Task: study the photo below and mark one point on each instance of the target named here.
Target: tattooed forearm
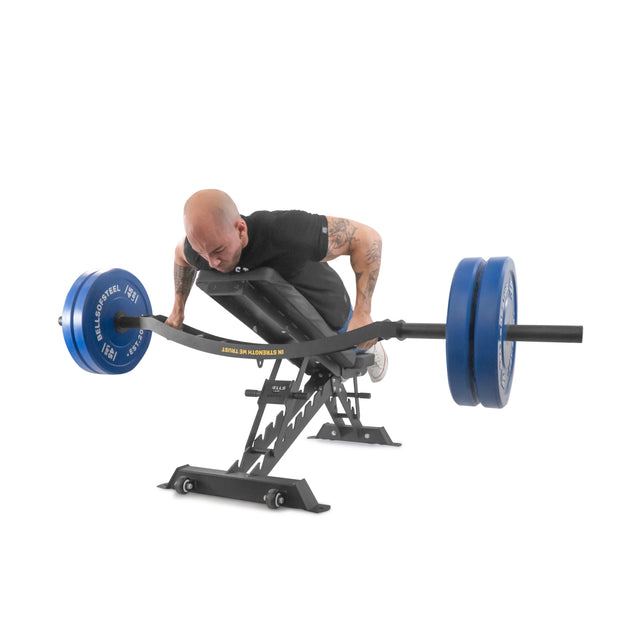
(370, 268)
(183, 278)
(342, 234)
(370, 285)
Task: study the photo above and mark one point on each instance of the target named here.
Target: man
(296, 244)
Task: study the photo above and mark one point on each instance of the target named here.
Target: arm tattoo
(371, 283)
(373, 259)
(183, 278)
(374, 254)
(341, 234)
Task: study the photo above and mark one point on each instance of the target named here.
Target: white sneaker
(378, 369)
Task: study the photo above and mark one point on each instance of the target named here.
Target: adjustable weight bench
(280, 314)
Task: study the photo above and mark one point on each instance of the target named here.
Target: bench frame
(279, 313)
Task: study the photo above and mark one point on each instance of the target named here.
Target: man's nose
(214, 262)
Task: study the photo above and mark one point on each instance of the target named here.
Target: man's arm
(183, 276)
(364, 246)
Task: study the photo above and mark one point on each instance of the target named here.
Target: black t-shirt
(292, 243)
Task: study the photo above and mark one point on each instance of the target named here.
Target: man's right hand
(176, 319)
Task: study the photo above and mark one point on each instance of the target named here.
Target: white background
(456, 129)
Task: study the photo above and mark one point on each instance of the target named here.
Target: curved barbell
(107, 325)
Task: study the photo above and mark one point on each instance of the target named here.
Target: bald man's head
(215, 228)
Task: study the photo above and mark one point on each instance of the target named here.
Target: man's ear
(241, 228)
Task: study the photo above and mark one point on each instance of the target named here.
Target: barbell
(107, 324)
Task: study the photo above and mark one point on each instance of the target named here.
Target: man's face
(221, 248)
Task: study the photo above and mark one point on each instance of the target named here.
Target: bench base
(275, 492)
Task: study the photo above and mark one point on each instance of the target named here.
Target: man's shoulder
(274, 214)
(277, 219)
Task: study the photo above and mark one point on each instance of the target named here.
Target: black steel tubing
(123, 322)
(543, 333)
(515, 332)
(421, 330)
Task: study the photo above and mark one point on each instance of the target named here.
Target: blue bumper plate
(88, 321)
(494, 356)
(67, 322)
(461, 314)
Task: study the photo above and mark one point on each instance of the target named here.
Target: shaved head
(215, 229)
(210, 205)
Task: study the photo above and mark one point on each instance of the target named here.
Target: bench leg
(355, 431)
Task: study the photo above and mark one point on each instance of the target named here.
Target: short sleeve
(304, 233)
(194, 259)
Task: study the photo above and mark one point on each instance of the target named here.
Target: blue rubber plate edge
(67, 322)
(489, 333)
(459, 332)
(77, 321)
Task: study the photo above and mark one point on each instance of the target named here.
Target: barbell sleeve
(543, 333)
(515, 332)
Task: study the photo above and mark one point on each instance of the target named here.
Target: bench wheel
(274, 499)
(183, 484)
